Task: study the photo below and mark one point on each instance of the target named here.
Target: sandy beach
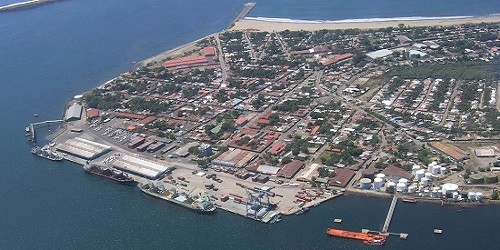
(277, 25)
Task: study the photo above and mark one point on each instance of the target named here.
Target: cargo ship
(367, 238)
(47, 153)
(409, 200)
(200, 203)
(109, 173)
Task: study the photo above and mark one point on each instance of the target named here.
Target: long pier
(390, 213)
(246, 9)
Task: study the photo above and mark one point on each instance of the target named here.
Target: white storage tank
(401, 187)
(426, 193)
(443, 170)
(390, 184)
(432, 164)
(381, 176)
(436, 169)
(419, 174)
(429, 176)
(435, 193)
(448, 188)
(424, 181)
(377, 183)
(471, 196)
(404, 181)
(412, 189)
(455, 195)
(479, 196)
(414, 169)
(365, 183)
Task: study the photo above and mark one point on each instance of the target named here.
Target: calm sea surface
(49, 54)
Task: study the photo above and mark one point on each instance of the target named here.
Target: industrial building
(141, 167)
(83, 148)
(235, 158)
(290, 169)
(73, 113)
(379, 53)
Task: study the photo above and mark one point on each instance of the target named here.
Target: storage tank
(471, 196)
(435, 194)
(432, 164)
(429, 176)
(365, 183)
(426, 193)
(381, 176)
(436, 169)
(404, 181)
(419, 174)
(449, 188)
(401, 187)
(414, 169)
(443, 170)
(455, 195)
(476, 178)
(490, 178)
(377, 183)
(390, 185)
(424, 181)
(412, 189)
(479, 196)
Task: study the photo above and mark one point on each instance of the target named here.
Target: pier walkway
(246, 9)
(33, 125)
(390, 213)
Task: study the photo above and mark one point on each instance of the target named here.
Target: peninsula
(263, 123)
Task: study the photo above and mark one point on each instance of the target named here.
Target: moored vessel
(409, 200)
(199, 203)
(109, 173)
(367, 238)
(302, 210)
(46, 152)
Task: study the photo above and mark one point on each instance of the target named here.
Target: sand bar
(270, 24)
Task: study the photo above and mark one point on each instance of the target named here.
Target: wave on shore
(361, 20)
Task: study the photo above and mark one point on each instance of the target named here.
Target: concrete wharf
(390, 213)
(246, 9)
(34, 125)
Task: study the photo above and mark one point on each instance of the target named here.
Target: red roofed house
(342, 178)
(241, 121)
(277, 148)
(336, 59)
(315, 130)
(92, 113)
(147, 120)
(290, 169)
(186, 62)
(209, 51)
(130, 116)
(395, 173)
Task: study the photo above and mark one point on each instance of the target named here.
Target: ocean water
(51, 53)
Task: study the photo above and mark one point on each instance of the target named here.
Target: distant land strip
(25, 5)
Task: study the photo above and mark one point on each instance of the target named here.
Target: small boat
(375, 242)
(302, 210)
(337, 221)
(35, 115)
(409, 200)
(438, 231)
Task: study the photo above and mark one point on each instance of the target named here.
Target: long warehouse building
(83, 148)
(141, 167)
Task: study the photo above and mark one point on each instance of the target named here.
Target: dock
(389, 214)
(246, 9)
(31, 128)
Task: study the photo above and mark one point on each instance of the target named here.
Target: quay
(31, 128)
(246, 9)
(24, 5)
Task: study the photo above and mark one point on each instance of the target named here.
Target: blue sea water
(50, 53)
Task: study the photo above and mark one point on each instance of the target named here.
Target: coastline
(277, 24)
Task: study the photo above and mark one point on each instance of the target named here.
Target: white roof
(266, 169)
(379, 53)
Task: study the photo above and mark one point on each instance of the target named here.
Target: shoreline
(281, 24)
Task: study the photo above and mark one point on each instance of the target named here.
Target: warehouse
(83, 148)
(74, 113)
(141, 167)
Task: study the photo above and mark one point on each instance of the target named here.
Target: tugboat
(109, 173)
(47, 153)
(201, 204)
